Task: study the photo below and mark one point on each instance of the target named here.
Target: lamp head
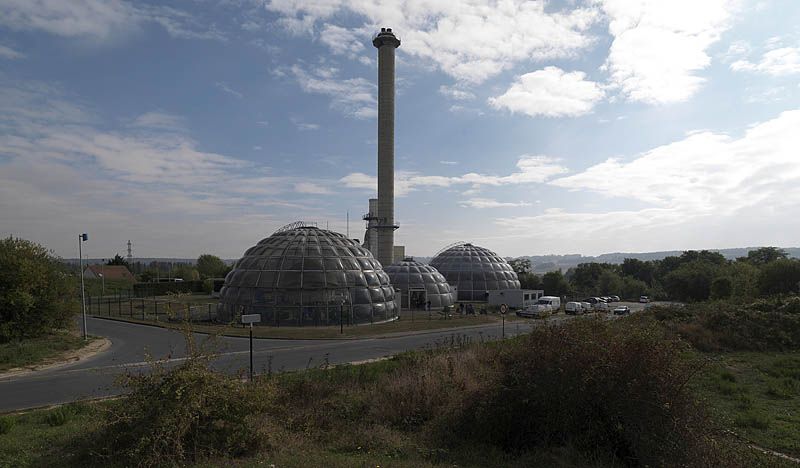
(84, 237)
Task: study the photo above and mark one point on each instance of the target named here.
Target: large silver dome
(474, 271)
(418, 283)
(302, 275)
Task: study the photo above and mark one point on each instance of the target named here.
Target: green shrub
(601, 387)
(764, 325)
(36, 293)
(6, 423)
(57, 417)
(752, 419)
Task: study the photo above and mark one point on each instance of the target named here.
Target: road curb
(88, 351)
(376, 337)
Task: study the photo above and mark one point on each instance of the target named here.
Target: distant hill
(541, 263)
(545, 263)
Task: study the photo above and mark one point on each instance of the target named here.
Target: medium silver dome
(417, 282)
(474, 271)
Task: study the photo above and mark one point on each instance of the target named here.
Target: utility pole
(81, 239)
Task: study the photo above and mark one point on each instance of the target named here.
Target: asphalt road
(131, 344)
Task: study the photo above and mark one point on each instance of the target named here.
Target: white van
(553, 301)
(573, 308)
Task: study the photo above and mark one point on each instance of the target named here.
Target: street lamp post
(81, 239)
(103, 278)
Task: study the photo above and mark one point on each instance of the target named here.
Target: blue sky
(526, 127)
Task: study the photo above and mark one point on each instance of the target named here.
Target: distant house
(109, 272)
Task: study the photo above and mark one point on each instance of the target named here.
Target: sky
(527, 127)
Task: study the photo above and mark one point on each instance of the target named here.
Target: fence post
(209, 311)
(119, 305)
(156, 305)
(142, 307)
(108, 303)
(130, 305)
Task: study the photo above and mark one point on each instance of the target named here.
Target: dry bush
(176, 415)
(432, 385)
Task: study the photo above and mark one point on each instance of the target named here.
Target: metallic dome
(304, 276)
(474, 271)
(418, 283)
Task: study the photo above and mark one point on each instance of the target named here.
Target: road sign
(503, 309)
(251, 318)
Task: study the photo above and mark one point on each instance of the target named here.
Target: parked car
(586, 306)
(534, 311)
(600, 306)
(622, 310)
(592, 300)
(644, 299)
(615, 298)
(573, 308)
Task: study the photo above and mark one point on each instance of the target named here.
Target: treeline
(690, 277)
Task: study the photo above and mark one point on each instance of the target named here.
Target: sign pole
(251, 319)
(503, 310)
(251, 352)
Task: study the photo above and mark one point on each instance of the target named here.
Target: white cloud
(354, 97)
(449, 163)
(708, 190)
(550, 92)
(311, 188)
(160, 120)
(302, 125)
(343, 41)
(532, 169)
(226, 88)
(481, 203)
(454, 92)
(471, 41)
(776, 62)
(62, 173)
(99, 20)
(706, 173)
(9, 53)
(660, 46)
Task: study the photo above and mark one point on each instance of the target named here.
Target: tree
(635, 268)
(721, 287)
(186, 272)
(585, 277)
(211, 266)
(521, 265)
(554, 284)
(632, 288)
(118, 260)
(690, 281)
(764, 255)
(36, 293)
(780, 277)
(530, 281)
(609, 283)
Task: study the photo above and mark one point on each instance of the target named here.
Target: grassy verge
(404, 325)
(46, 437)
(37, 350)
(757, 395)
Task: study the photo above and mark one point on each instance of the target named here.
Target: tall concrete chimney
(386, 42)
